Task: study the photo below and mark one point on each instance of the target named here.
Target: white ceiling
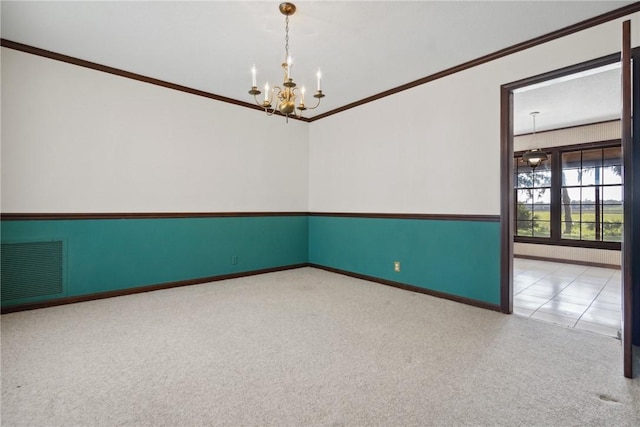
(362, 47)
(580, 98)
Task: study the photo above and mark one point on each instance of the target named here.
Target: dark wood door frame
(631, 167)
(506, 189)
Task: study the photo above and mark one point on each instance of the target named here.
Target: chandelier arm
(315, 106)
(278, 94)
(262, 104)
(273, 89)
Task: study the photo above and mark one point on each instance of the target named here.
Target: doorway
(568, 212)
(632, 187)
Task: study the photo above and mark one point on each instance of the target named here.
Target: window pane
(524, 180)
(592, 158)
(572, 160)
(588, 195)
(570, 195)
(524, 228)
(588, 213)
(612, 195)
(612, 232)
(612, 175)
(612, 213)
(541, 228)
(523, 212)
(541, 207)
(588, 176)
(613, 210)
(571, 177)
(588, 231)
(612, 217)
(542, 178)
(570, 230)
(542, 195)
(541, 220)
(524, 196)
(612, 156)
(570, 212)
(598, 175)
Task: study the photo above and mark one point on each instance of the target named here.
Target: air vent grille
(31, 269)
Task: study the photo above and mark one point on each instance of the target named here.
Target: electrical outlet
(396, 266)
(234, 259)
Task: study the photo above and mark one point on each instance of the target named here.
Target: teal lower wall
(460, 258)
(115, 254)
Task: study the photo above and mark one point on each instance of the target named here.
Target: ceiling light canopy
(286, 96)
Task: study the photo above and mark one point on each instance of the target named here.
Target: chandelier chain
(286, 39)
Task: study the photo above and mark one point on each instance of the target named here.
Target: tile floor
(570, 295)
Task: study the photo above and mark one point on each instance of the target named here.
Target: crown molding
(583, 25)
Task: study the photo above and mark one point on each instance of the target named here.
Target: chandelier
(286, 96)
(535, 156)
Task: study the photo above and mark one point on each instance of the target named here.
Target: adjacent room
(264, 213)
(568, 231)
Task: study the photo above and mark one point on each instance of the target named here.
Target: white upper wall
(435, 148)
(79, 140)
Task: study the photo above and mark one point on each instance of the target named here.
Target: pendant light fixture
(286, 96)
(534, 157)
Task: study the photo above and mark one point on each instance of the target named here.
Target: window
(533, 199)
(574, 198)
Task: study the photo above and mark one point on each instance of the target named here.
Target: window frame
(555, 238)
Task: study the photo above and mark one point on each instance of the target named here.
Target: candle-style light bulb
(319, 76)
(266, 91)
(253, 76)
(302, 90)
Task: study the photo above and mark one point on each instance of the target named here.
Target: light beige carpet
(304, 347)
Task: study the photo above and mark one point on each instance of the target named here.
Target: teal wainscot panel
(115, 254)
(456, 257)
